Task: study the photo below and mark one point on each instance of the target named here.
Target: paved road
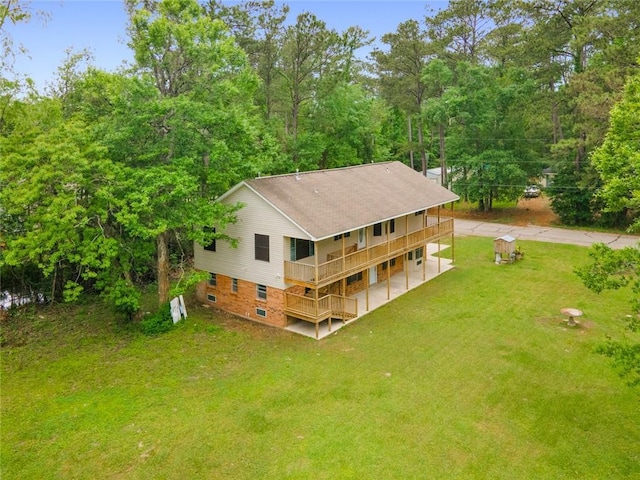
(544, 234)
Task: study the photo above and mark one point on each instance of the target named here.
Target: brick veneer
(245, 301)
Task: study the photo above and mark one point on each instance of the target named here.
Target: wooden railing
(354, 262)
(307, 308)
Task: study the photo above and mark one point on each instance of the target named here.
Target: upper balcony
(352, 260)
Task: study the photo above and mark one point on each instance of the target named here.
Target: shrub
(159, 322)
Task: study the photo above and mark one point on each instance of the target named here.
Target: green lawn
(473, 375)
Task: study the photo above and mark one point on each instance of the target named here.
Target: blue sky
(100, 26)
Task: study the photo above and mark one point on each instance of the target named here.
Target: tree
(258, 27)
(486, 141)
(441, 106)
(57, 199)
(618, 158)
(308, 51)
(612, 270)
(400, 71)
(460, 30)
(186, 131)
(341, 128)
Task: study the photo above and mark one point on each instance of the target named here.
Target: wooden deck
(378, 295)
(315, 311)
(339, 266)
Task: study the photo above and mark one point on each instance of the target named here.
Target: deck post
(367, 287)
(406, 269)
(344, 260)
(388, 281)
(453, 231)
(344, 300)
(316, 255)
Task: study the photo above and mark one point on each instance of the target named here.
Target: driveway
(544, 234)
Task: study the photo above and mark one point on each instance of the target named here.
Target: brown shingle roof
(329, 202)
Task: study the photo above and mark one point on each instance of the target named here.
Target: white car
(532, 191)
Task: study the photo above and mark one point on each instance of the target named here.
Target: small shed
(505, 248)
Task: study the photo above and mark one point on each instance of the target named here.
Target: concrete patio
(380, 295)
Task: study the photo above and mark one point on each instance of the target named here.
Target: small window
(261, 292)
(421, 212)
(211, 298)
(354, 278)
(377, 230)
(213, 279)
(392, 225)
(212, 246)
(262, 247)
(410, 255)
(392, 262)
(338, 237)
(234, 285)
(384, 266)
(261, 312)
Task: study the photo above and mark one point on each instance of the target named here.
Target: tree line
(106, 178)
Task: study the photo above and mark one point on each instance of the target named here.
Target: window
(385, 265)
(392, 225)
(301, 248)
(354, 278)
(262, 247)
(377, 230)
(261, 312)
(212, 246)
(261, 292)
(213, 279)
(234, 285)
(338, 237)
(211, 298)
(421, 212)
(410, 255)
(392, 262)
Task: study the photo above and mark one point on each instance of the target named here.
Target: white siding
(329, 245)
(257, 216)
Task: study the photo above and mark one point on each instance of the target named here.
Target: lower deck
(380, 293)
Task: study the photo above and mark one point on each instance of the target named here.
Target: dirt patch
(528, 211)
(583, 326)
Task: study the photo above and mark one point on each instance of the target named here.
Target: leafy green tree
(186, 131)
(341, 129)
(400, 72)
(258, 27)
(618, 158)
(57, 189)
(307, 54)
(459, 31)
(611, 270)
(441, 105)
(490, 153)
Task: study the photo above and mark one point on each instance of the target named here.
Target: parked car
(532, 191)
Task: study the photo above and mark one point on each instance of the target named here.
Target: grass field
(473, 375)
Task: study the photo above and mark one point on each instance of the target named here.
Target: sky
(100, 27)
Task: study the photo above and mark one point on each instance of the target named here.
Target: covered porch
(380, 293)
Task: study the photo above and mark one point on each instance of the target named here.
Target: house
(312, 246)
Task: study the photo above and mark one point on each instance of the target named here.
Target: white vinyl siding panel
(256, 216)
